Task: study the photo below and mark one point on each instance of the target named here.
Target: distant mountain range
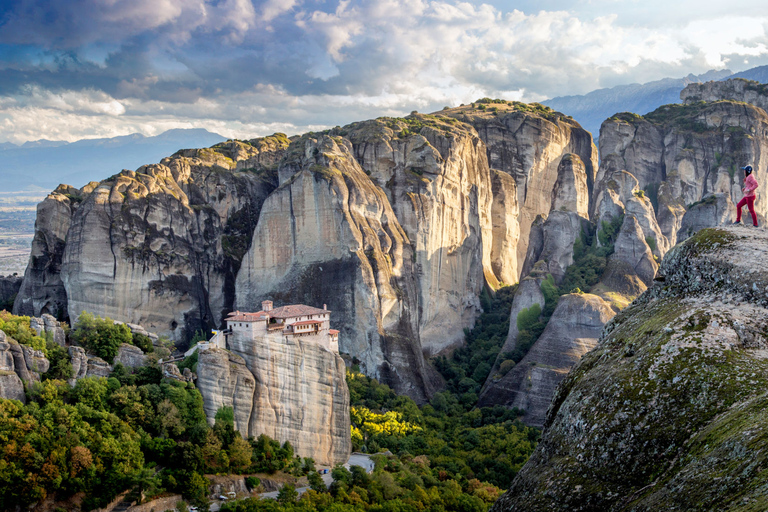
(591, 109)
(46, 163)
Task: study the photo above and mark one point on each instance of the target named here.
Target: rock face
(130, 356)
(681, 154)
(42, 291)
(19, 365)
(9, 288)
(294, 391)
(552, 242)
(48, 326)
(671, 395)
(736, 89)
(160, 246)
(529, 142)
(631, 268)
(714, 210)
(571, 332)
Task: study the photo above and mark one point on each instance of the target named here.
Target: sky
(73, 69)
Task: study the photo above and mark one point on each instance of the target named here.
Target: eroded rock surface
(672, 394)
(291, 390)
(571, 332)
(19, 365)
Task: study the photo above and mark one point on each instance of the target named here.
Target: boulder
(79, 361)
(130, 356)
(97, 367)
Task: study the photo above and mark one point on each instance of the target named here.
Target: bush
(506, 366)
(100, 335)
(527, 317)
(143, 342)
(252, 482)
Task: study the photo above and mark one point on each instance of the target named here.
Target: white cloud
(355, 60)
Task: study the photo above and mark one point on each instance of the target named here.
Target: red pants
(750, 202)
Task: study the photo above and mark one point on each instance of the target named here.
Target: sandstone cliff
(159, 246)
(681, 154)
(292, 391)
(667, 412)
(529, 142)
(571, 332)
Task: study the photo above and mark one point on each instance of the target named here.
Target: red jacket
(750, 185)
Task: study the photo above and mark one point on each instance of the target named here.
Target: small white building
(293, 321)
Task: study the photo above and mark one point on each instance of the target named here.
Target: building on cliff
(296, 320)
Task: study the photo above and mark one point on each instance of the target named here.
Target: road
(356, 459)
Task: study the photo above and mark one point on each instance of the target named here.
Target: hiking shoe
(736, 222)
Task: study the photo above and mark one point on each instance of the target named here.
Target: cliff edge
(668, 411)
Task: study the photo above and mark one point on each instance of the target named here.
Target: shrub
(506, 366)
(143, 342)
(99, 335)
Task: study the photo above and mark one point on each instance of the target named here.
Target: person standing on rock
(750, 185)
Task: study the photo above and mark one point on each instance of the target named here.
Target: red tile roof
(333, 331)
(295, 310)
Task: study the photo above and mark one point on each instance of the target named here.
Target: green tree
(287, 494)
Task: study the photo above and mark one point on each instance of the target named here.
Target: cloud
(300, 63)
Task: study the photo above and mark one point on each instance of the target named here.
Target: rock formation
(9, 288)
(294, 391)
(571, 332)
(735, 89)
(42, 291)
(48, 326)
(160, 246)
(681, 154)
(130, 356)
(529, 142)
(631, 268)
(19, 365)
(714, 210)
(666, 413)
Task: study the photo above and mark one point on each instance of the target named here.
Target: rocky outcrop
(528, 142)
(48, 327)
(714, 210)
(527, 294)
(552, 242)
(671, 395)
(571, 332)
(506, 228)
(736, 89)
(158, 247)
(289, 389)
(163, 244)
(632, 267)
(225, 381)
(130, 356)
(42, 291)
(11, 386)
(570, 193)
(681, 154)
(84, 365)
(619, 193)
(19, 365)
